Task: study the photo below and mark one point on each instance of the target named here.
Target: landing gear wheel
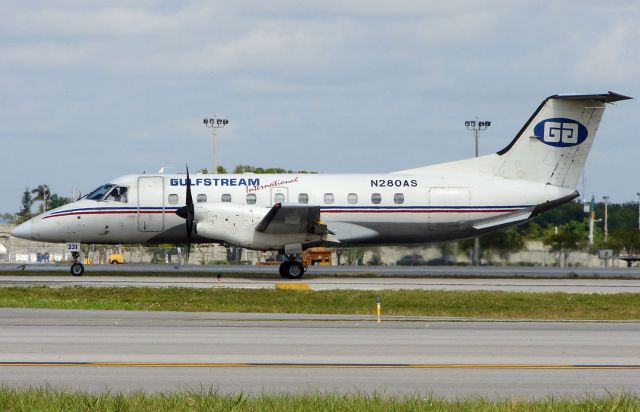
(77, 269)
(295, 270)
(284, 268)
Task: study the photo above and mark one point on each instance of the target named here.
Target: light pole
(592, 218)
(214, 124)
(476, 126)
(606, 217)
(638, 210)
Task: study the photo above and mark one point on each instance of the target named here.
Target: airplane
(537, 171)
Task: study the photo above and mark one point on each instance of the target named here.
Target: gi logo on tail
(560, 132)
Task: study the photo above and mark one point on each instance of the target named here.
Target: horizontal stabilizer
(508, 219)
(521, 216)
(610, 97)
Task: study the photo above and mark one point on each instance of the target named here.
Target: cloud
(615, 56)
(39, 55)
(100, 20)
(297, 42)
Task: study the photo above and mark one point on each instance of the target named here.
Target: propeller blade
(190, 213)
(187, 212)
(189, 198)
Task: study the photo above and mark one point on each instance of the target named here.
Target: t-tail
(551, 148)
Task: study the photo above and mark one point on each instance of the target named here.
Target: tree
(244, 169)
(42, 193)
(502, 242)
(221, 170)
(56, 201)
(538, 228)
(354, 255)
(569, 237)
(620, 216)
(262, 170)
(376, 259)
(8, 217)
(25, 207)
(626, 241)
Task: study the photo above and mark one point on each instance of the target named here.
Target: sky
(91, 90)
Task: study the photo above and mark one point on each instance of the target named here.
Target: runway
(386, 271)
(332, 283)
(255, 353)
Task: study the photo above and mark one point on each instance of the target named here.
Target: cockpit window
(99, 193)
(117, 194)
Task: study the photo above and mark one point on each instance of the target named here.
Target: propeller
(187, 212)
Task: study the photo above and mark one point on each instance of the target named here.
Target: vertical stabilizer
(553, 145)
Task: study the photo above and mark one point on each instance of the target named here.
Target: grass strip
(46, 399)
(477, 304)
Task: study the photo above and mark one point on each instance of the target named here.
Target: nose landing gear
(77, 269)
(292, 268)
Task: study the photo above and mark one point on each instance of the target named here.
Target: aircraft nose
(22, 231)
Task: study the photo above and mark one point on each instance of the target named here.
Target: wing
(285, 219)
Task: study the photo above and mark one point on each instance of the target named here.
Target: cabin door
(150, 204)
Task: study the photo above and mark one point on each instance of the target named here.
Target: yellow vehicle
(320, 256)
(116, 258)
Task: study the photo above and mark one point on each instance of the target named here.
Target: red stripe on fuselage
(110, 212)
(125, 212)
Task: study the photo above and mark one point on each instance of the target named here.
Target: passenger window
(328, 198)
(173, 199)
(226, 198)
(376, 198)
(352, 198)
(202, 198)
(278, 198)
(251, 199)
(118, 194)
(398, 198)
(303, 198)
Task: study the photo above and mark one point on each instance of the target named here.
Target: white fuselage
(357, 208)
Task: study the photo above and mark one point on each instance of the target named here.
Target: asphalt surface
(255, 353)
(575, 285)
(419, 271)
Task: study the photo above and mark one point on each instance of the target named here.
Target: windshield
(99, 193)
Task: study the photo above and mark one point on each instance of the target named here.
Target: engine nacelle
(235, 223)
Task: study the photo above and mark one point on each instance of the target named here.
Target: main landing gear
(292, 268)
(77, 269)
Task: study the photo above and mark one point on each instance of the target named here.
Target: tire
(77, 269)
(284, 269)
(295, 270)
(115, 262)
